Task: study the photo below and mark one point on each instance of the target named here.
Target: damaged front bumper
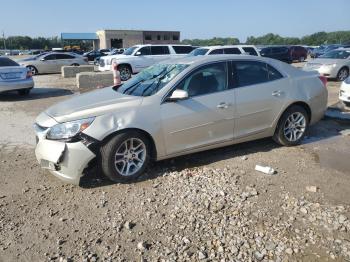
(65, 160)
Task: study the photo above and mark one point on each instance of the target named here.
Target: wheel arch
(37, 71)
(296, 103)
(145, 133)
(128, 65)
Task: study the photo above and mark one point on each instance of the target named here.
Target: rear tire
(342, 74)
(301, 59)
(292, 126)
(24, 92)
(125, 156)
(125, 72)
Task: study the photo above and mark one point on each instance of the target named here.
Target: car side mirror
(177, 95)
(138, 53)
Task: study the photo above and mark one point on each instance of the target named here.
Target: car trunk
(11, 73)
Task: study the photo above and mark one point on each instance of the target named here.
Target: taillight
(29, 74)
(324, 80)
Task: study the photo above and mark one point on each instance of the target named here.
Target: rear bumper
(16, 84)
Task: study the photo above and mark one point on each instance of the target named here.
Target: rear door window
(217, 52)
(250, 51)
(4, 61)
(159, 50)
(273, 73)
(232, 51)
(250, 73)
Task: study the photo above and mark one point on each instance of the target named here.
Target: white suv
(226, 49)
(139, 57)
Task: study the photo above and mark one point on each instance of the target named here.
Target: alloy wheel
(294, 127)
(125, 73)
(343, 74)
(130, 157)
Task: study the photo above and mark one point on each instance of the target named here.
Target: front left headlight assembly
(68, 130)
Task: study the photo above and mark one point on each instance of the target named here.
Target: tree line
(319, 38)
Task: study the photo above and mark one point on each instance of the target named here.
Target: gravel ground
(210, 206)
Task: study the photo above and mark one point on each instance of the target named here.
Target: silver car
(175, 108)
(333, 64)
(52, 62)
(14, 77)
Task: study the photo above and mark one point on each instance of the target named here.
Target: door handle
(222, 105)
(277, 93)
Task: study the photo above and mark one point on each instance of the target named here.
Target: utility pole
(3, 37)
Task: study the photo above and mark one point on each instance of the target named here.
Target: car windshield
(130, 50)
(336, 54)
(4, 61)
(199, 51)
(151, 80)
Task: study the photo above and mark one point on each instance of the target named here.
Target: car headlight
(108, 61)
(330, 65)
(69, 129)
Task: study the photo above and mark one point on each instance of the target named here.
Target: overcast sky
(195, 19)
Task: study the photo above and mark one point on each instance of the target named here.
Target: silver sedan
(176, 108)
(52, 62)
(14, 77)
(334, 64)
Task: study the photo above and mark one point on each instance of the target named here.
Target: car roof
(225, 46)
(160, 45)
(194, 60)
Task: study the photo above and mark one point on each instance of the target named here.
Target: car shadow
(94, 178)
(325, 129)
(36, 93)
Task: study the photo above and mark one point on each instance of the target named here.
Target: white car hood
(91, 104)
(115, 57)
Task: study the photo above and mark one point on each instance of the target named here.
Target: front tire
(125, 156)
(32, 69)
(125, 72)
(347, 104)
(342, 74)
(292, 126)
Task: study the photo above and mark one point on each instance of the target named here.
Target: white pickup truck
(139, 57)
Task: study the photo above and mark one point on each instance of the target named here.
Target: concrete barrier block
(94, 79)
(72, 71)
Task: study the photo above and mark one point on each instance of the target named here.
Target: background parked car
(228, 49)
(324, 49)
(139, 57)
(333, 64)
(14, 77)
(285, 53)
(52, 62)
(92, 55)
(344, 93)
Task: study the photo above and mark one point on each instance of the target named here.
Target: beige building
(127, 38)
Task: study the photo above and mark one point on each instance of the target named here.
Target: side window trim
(234, 76)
